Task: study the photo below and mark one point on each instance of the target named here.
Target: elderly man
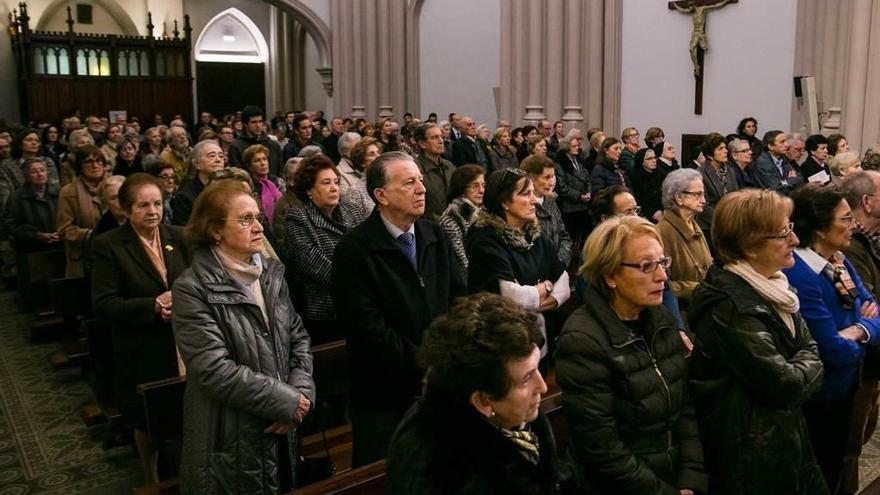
(468, 150)
(392, 275)
(739, 153)
(796, 147)
(178, 152)
(773, 169)
(862, 191)
(329, 144)
(207, 158)
(254, 133)
(5, 148)
(436, 171)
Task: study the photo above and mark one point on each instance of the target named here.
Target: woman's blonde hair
(743, 219)
(843, 161)
(603, 250)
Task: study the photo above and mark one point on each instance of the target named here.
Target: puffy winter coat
(242, 376)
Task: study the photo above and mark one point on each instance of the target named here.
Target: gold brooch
(169, 248)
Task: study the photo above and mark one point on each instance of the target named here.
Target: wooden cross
(698, 45)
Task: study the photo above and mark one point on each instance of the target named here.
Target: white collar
(394, 230)
(813, 259)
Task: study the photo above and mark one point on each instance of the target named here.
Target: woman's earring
(492, 413)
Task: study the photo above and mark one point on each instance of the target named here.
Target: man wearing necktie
(392, 275)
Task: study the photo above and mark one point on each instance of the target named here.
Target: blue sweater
(825, 316)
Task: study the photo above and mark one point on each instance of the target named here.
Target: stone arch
(314, 26)
(111, 6)
(413, 76)
(240, 23)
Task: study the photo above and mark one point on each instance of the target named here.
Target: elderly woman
(608, 171)
(152, 144)
(740, 155)
(621, 368)
(30, 219)
(164, 174)
(267, 188)
(843, 164)
(135, 267)
(647, 184)
(718, 178)
(108, 194)
(312, 230)
(363, 154)
(542, 171)
(837, 143)
(244, 179)
(754, 362)
(79, 208)
(507, 253)
(573, 187)
(503, 154)
(127, 159)
(246, 352)
(842, 316)
(666, 161)
(683, 240)
(478, 428)
(466, 189)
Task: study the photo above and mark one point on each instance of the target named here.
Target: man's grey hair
(794, 137)
(677, 182)
(858, 185)
(377, 172)
(199, 149)
(291, 166)
(346, 142)
(734, 144)
(310, 151)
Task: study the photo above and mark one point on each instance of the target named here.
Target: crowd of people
(721, 337)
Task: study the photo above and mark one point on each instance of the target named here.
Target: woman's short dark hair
(712, 141)
(812, 143)
(26, 164)
(15, 149)
(359, 151)
(132, 185)
(468, 349)
(461, 179)
(741, 127)
(307, 173)
(814, 209)
(535, 165)
(83, 153)
(209, 211)
(606, 144)
(501, 186)
(833, 142)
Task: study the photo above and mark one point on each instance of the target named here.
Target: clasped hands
(163, 305)
(301, 410)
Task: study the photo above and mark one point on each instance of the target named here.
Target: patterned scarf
(525, 440)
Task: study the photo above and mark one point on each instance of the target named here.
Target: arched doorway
(230, 52)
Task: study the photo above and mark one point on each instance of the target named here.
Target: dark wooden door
(226, 87)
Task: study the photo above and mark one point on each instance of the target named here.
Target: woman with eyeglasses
(647, 182)
(135, 266)
(842, 317)
(467, 188)
(79, 207)
(683, 240)
(248, 363)
(754, 362)
(164, 174)
(621, 368)
(507, 253)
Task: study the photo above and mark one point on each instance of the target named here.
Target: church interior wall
(459, 46)
(102, 21)
(748, 69)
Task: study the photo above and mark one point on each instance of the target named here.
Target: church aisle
(45, 447)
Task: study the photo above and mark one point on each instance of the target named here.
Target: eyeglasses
(847, 219)
(784, 234)
(246, 221)
(696, 194)
(633, 211)
(93, 161)
(166, 176)
(651, 266)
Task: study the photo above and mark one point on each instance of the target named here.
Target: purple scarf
(269, 195)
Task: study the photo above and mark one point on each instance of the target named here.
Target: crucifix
(698, 45)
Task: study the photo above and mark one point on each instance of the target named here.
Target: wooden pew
(41, 266)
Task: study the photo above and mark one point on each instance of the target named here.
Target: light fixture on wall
(228, 38)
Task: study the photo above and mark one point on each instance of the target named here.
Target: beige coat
(686, 245)
(75, 225)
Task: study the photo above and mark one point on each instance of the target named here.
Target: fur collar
(521, 239)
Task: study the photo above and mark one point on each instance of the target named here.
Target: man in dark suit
(330, 143)
(773, 169)
(468, 150)
(455, 122)
(391, 276)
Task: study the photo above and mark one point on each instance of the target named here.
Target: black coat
(647, 189)
(749, 377)
(236, 150)
(384, 305)
(183, 200)
(125, 285)
(27, 215)
(606, 174)
(811, 167)
(443, 447)
(464, 152)
(571, 183)
(626, 401)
